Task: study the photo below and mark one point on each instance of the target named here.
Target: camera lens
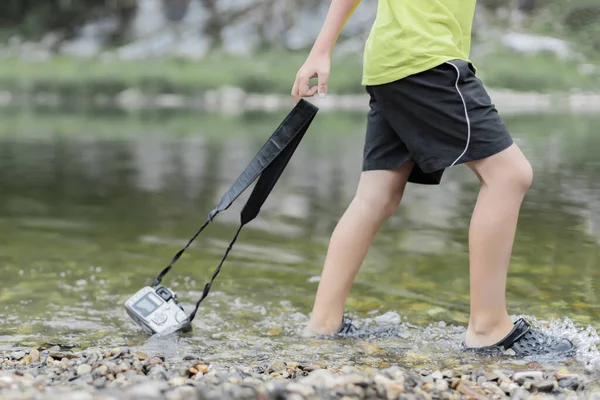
(164, 293)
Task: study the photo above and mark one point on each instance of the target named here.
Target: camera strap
(268, 165)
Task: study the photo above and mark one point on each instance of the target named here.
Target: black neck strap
(268, 164)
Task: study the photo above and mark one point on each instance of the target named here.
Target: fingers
(301, 87)
(322, 86)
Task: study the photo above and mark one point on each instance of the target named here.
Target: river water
(92, 207)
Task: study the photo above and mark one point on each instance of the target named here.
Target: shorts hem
(473, 154)
(384, 164)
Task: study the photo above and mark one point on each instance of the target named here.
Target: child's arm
(317, 64)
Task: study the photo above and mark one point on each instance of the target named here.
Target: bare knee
(383, 204)
(509, 170)
(518, 177)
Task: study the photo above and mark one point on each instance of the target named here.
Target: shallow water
(92, 207)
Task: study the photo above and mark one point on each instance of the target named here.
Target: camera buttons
(159, 318)
(180, 316)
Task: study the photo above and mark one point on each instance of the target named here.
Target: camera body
(157, 311)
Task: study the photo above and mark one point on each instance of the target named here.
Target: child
(428, 112)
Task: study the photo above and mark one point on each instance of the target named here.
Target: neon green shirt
(411, 36)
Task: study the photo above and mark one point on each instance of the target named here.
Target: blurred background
(122, 122)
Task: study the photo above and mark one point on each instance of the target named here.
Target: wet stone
(437, 375)
(544, 386)
(183, 393)
(99, 383)
(86, 379)
(34, 356)
(570, 383)
(84, 369)
(520, 377)
(17, 355)
(300, 389)
(100, 371)
(146, 391)
(159, 372)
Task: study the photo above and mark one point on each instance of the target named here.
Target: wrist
(320, 51)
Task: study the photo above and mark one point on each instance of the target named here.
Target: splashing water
(586, 339)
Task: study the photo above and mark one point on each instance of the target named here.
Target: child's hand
(314, 67)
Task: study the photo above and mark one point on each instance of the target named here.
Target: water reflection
(87, 219)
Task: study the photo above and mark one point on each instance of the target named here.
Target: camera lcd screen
(147, 304)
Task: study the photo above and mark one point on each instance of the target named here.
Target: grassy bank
(262, 73)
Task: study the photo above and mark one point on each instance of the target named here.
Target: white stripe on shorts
(466, 114)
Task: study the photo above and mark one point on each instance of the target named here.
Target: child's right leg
(377, 198)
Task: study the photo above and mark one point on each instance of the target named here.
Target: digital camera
(157, 311)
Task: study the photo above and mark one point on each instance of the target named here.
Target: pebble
(544, 386)
(437, 375)
(178, 381)
(520, 377)
(570, 383)
(84, 369)
(123, 374)
(34, 355)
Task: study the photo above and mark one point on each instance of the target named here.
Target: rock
(190, 357)
(34, 355)
(493, 388)
(520, 377)
(565, 374)
(442, 385)
(178, 381)
(115, 352)
(99, 383)
(471, 392)
(84, 369)
(513, 387)
(490, 376)
(183, 393)
(389, 387)
(320, 378)
(303, 390)
(544, 386)
(100, 371)
(146, 391)
(141, 355)
(455, 383)
(80, 395)
(500, 375)
(202, 368)
(154, 361)
(448, 373)
(569, 383)
(520, 394)
(17, 355)
(87, 378)
(437, 375)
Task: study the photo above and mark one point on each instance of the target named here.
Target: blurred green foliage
(34, 18)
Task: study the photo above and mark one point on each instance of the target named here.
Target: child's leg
(378, 195)
(505, 178)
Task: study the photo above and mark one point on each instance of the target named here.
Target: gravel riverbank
(123, 373)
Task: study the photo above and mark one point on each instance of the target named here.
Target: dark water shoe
(524, 341)
(347, 327)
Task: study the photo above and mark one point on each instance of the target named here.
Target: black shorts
(438, 118)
